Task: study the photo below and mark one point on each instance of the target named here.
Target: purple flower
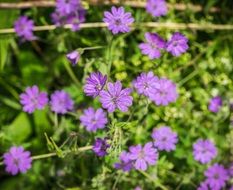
(61, 102)
(94, 84)
(76, 19)
(156, 7)
(118, 20)
(33, 99)
(145, 83)
(138, 188)
(165, 92)
(154, 44)
(215, 104)
(93, 120)
(125, 163)
(65, 7)
(73, 57)
(177, 44)
(115, 97)
(204, 186)
(17, 160)
(217, 176)
(24, 28)
(100, 147)
(204, 151)
(143, 156)
(165, 138)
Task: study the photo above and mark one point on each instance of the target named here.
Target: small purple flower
(204, 151)
(76, 19)
(143, 156)
(33, 99)
(65, 7)
(61, 102)
(24, 28)
(17, 160)
(94, 84)
(215, 104)
(73, 57)
(138, 188)
(165, 92)
(217, 176)
(125, 163)
(118, 20)
(204, 186)
(93, 120)
(115, 97)
(156, 7)
(145, 83)
(177, 44)
(154, 44)
(165, 138)
(100, 147)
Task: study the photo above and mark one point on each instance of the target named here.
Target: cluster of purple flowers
(32, 99)
(176, 45)
(69, 12)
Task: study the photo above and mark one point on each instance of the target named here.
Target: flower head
(125, 163)
(164, 93)
(204, 151)
(143, 156)
(33, 99)
(153, 45)
(116, 97)
(94, 84)
(93, 120)
(215, 104)
(138, 188)
(17, 160)
(165, 138)
(118, 20)
(156, 7)
(217, 176)
(177, 44)
(73, 57)
(65, 7)
(24, 28)
(100, 147)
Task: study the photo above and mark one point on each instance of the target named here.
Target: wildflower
(61, 102)
(100, 147)
(143, 156)
(118, 20)
(217, 176)
(215, 104)
(177, 44)
(156, 7)
(73, 57)
(138, 188)
(33, 99)
(125, 163)
(24, 28)
(165, 138)
(116, 97)
(153, 45)
(93, 120)
(17, 160)
(94, 84)
(65, 7)
(204, 186)
(165, 92)
(204, 151)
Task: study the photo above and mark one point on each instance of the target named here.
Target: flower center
(141, 154)
(118, 22)
(216, 176)
(16, 161)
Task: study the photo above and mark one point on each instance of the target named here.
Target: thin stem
(55, 120)
(92, 48)
(71, 73)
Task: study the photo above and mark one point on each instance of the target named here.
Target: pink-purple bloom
(153, 45)
(33, 99)
(115, 97)
(66, 7)
(94, 84)
(217, 176)
(156, 7)
(17, 160)
(73, 57)
(164, 138)
(61, 102)
(215, 104)
(177, 45)
(100, 147)
(204, 151)
(143, 155)
(125, 163)
(24, 28)
(93, 119)
(204, 186)
(118, 21)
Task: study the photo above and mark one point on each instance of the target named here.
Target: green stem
(55, 120)
(92, 48)
(71, 74)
